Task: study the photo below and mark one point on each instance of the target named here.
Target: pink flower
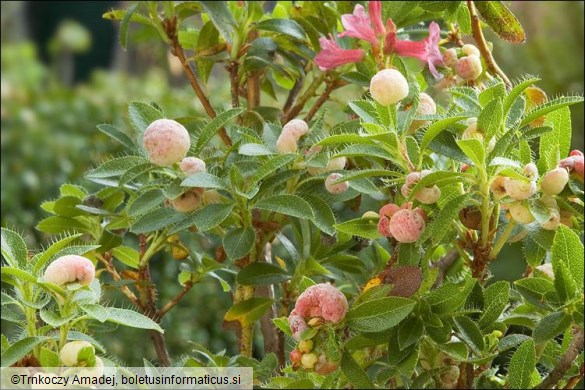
(376, 16)
(321, 300)
(70, 268)
(426, 50)
(358, 25)
(331, 55)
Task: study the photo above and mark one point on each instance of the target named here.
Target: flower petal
(331, 55)
(357, 25)
(375, 8)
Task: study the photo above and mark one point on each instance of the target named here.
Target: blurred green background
(63, 73)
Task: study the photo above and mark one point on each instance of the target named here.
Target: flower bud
(70, 351)
(470, 50)
(450, 57)
(388, 210)
(166, 142)
(335, 188)
(472, 132)
(553, 221)
(93, 372)
(388, 86)
(69, 269)
(521, 213)
(574, 163)
(211, 196)
(286, 143)
(296, 127)
(187, 202)
(519, 189)
(412, 178)
(309, 360)
(428, 195)
(549, 202)
(469, 67)
(192, 165)
(554, 181)
(407, 225)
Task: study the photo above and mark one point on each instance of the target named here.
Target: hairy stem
(177, 50)
(443, 265)
(305, 97)
(575, 347)
(234, 83)
(493, 67)
(324, 97)
(173, 302)
(502, 239)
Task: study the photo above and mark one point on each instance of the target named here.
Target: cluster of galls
(464, 61)
(551, 184)
(287, 142)
(404, 224)
(167, 142)
(323, 307)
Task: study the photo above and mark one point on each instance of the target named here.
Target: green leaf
(204, 180)
(410, 332)
(124, 24)
(361, 227)
(211, 216)
(436, 229)
(216, 123)
(58, 225)
(54, 319)
(549, 107)
(43, 258)
(433, 130)
(533, 253)
(521, 365)
(14, 249)
(49, 358)
(564, 283)
(324, 218)
(496, 91)
(449, 297)
(516, 91)
(501, 20)
(115, 167)
(269, 167)
(238, 242)
(567, 248)
(551, 326)
(534, 290)
(262, 274)
(121, 316)
(19, 349)
(354, 373)
(379, 314)
(221, 17)
(146, 202)
(142, 115)
(490, 119)
(156, 220)
(469, 332)
(127, 255)
(496, 298)
(254, 150)
(362, 173)
(557, 139)
(248, 311)
(284, 26)
(457, 350)
(288, 205)
(473, 148)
